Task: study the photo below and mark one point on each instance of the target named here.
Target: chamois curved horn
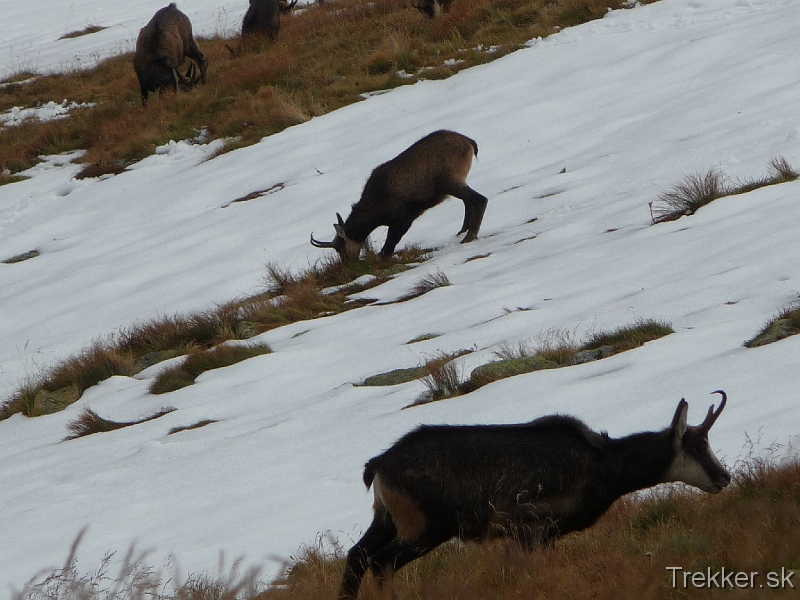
(318, 244)
(712, 415)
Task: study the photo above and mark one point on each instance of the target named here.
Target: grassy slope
(326, 56)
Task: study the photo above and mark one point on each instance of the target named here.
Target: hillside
(625, 106)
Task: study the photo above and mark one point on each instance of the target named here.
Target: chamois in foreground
(532, 482)
(161, 49)
(400, 190)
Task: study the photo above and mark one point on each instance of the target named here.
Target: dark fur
(161, 50)
(263, 18)
(432, 8)
(532, 482)
(400, 190)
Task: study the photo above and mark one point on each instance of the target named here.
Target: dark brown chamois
(432, 8)
(400, 190)
(263, 18)
(161, 49)
(532, 482)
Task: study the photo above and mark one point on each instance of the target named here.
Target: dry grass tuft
(686, 197)
(89, 422)
(426, 283)
(695, 191)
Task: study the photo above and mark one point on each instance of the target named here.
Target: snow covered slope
(628, 105)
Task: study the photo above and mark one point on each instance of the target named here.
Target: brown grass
(752, 526)
(200, 361)
(695, 191)
(89, 422)
(326, 57)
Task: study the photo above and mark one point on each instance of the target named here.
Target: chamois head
(348, 249)
(694, 461)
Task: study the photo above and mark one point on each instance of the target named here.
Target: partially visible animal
(161, 50)
(532, 482)
(432, 8)
(263, 17)
(400, 190)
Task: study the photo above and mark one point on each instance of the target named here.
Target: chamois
(432, 8)
(263, 17)
(532, 482)
(161, 49)
(400, 190)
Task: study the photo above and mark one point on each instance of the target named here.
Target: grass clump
(89, 29)
(21, 257)
(686, 197)
(785, 324)
(398, 376)
(425, 284)
(556, 349)
(198, 425)
(696, 190)
(200, 361)
(89, 422)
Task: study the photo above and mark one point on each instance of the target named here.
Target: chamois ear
(339, 227)
(678, 426)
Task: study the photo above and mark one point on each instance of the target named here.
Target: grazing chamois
(161, 49)
(532, 482)
(400, 190)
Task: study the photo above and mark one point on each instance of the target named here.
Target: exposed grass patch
(425, 284)
(554, 349)
(198, 425)
(398, 376)
(786, 323)
(326, 57)
(423, 338)
(321, 290)
(100, 169)
(89, 29)
(21, 257)
(200, 361)
(89, 422)
(696, 190)
(6, 179)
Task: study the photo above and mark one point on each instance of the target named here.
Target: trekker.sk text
(726, 578)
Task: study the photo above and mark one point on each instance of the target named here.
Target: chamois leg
(468, 208)
(399, 553)
(474, 207)
(396, 231)
(380, 533)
